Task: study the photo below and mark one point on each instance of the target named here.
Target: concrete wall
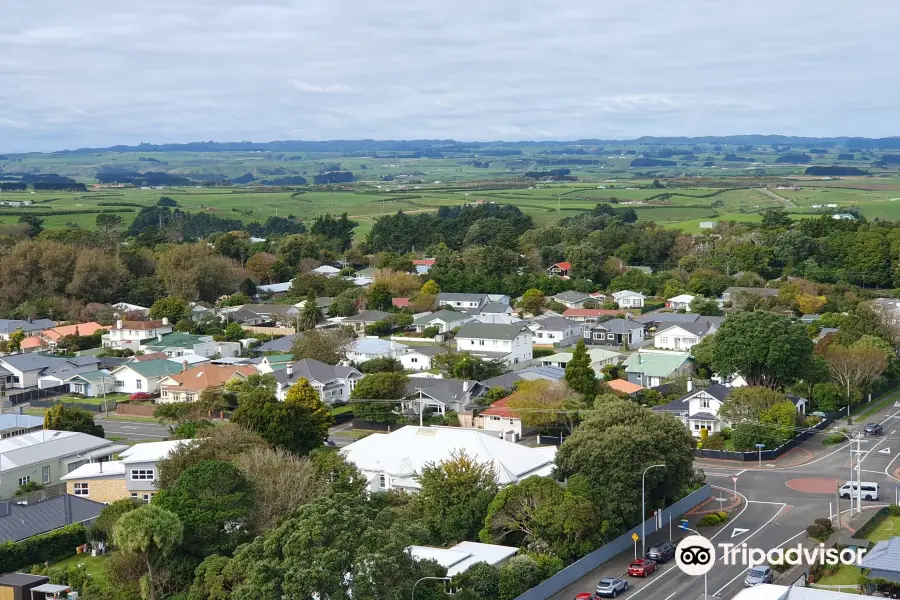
(135, 410)
(604, 554)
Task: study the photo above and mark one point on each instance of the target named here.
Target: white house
(457, 559)
(143, 377)
(334, 383)
(392, 461)
(462, 301)
(510, 343)
(682, 336)
(571, 299)
(128, 335)
(444, 320)
(28, 370)
(556, 331)
(680, 302)
(600, 357)
(371, 347)
(327, 271)
(629, 299)
(418, 358)
(503, 420)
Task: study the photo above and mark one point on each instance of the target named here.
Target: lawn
(340, 410)
(888, 528)
(845, 575)
(93, 401)
(95, 565)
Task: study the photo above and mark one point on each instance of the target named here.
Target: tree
(454, 496)
(827, 397)
(234, 332)
(311, 315)
(71, 418)
(855, 368)
(152, 533)
(543, 405)
(109, 222)
(379, 386)
(765, 348)
(430, 288)
(195, 271)
(518, 575)
(35, 224)
(172, 308)
(342, 306)
(462, 365)
(260, 264)
(382, 364)
(811, 305)
(212, 499)
(533, 301)
(611, 448)
(110, 515)
(223, 442)
(783, 419)
(580, 374)
(748, 404)
(745, 436)
(97, 276)
(379, 297)
(325, 345)
(15, 341)
(705, 306)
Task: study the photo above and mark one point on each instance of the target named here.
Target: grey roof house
(444, 320)
(556, 331)
(25, 370)
(615, 332)
(510, 343)
(22, 521)
(8, 326)
(366, 317)
(334, 383)
(571, 299)
(441, 395)
(884, 560)
(282, 344)
(507, 380)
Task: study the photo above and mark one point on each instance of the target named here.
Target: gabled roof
(447, 316)
(595, 354)
(463, 555)
(153, 368)
(280, 345)
(682, 298)
(400, 302)
(8, 326)
(625, 387)
(426, 350)
(177, 339)
(313, 371)
(92, 376)
(456, 297)
(564, 265)
(370, 345)
(151, 451)
(698, 328)
(368, 316)
(654, 364)
(717, 391)
(30, 362)
(444, 390)
(501, 408)
(885, 556)
(141, 325)
(571, 296)
(627, 294)
(22, 521)
(507, 380)
(592, 312)
(617, 326)
(326, 269)
(209, 376)
(554, 323)
(425, 262)
(55, 333)
(490, 331)
(48, 444)
(275, 288)
(493, 308)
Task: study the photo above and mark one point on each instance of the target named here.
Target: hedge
(40, 548)
(873, 523)
(53, 213)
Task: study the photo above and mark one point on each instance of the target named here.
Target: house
(555, 331)
(445, 320)
(274, 289)
(499, 318)
(49, 338)
(43, 457)
(19, 586)
(400, 302)
(440, 395)
(179, 343)
(144, 377)
(133, 476)
(423, 265)
(327, 271)
(392, 461)
(323, 302)
(650, 369)
(654, 320)
(571, 299)
(57, 374)
(615, 332)
(92, 384)
(32, 326)
(843, 217)
(457, 559)
(128, 335)
(809, 319)
(282, 344)
(371, 347)
(509, 380)
(189, 384)
(20, 521)
(418, 358)
(590, 315)
(683, 336)
(25, 371)
(366, 317)
(680, 302)
(12, 424)
(889, 308)
(462, 301)
(629, 299)
(623, 387)
(502, 419)
(600, 357)
(274, 362)
(511, 344)
(730, 292)
(883, 560)
(490, 309)
(560, 269)
(334, 383)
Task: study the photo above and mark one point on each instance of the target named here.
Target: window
(81, 489)
(24, 480)
(663, 340)
(137, 384)
(540, 335)
(45, 473)
(120, 383)
(144, 497)
(704, 403)
(481, 342)
(495, 418)
(382, 482)
(78, 388)
(610, 336)
(142, 474)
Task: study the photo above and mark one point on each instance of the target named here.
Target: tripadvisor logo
(696, 555)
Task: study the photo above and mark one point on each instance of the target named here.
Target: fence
(269, 330)
(126, 409)
(30, 395)
(753, 456)
(607, 552)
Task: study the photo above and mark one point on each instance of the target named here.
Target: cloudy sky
(97, 72)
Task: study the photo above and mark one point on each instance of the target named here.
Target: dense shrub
(709, 520)
(41, 548)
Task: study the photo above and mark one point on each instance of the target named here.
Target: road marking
(876, 472)
(738, 531)
(739, 473)
(884, 451)
(782, 504)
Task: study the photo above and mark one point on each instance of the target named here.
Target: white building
(128, 335)
(370, 347)
(680, 302)
(556, 331)
(392, 461)
(629, 299)
(418, 358)
(143, 377)
(327, 271)
(444, 320)
(457, 559)
(334, 383)
(510, 343)
(682, 336)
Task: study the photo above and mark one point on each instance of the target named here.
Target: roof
(501, 408)
(12, 325)
(94, 470)
(548, 372)
(618, 325)
(625, 387)
(177, 339)
(885, 556)
(22, 521)
(554, 323)
(463, 555)
(326, 269)
(717, 391)
(375, 345)
(275, 288)
(494, 307)
(14, 421)
(92, 376)
(45, 445)
(210, 375)
(704, 416)
(278, 345)
(444, 390)
(191, 360)
(457, 297)
(653, 364)
(666, 317)
(564, 265)
(153, 368)
(592, 312)
(313, 370)
(403, 453)
(627, 294)
(368, 316)
(448, 316)
(150, 451)
(490, 331)
(400, 302)
(425, 262)
(571, 296)
(698, 328)
(756, 291)
(142, 325)
(31, 362)
(55, 333)
(686, 298)
(426, 350)
(149, 356)
(21, 579)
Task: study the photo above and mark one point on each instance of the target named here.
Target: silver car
(610, 587)
(758, 575)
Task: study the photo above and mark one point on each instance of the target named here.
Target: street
(133, 431)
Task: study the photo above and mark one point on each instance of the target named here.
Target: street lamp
(413, 595)
(644, 506)
(684, 527)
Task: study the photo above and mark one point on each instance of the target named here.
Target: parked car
(584, 596)
(661, 553)
(641, 567)
(758, 575)
(610, 587)
(873, 429)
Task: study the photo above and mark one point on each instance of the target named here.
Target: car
(330, 442)
(873, 429)
(758, 575)
(610, 587)
(661, 553)
(641, 567)
(584, 596)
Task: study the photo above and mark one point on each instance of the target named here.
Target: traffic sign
(734, 479)
(760, 446)
(635, 537)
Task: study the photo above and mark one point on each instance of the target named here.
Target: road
(133, 431)
(788, 203)
(778, 504)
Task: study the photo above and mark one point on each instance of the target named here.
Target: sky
(95, 73)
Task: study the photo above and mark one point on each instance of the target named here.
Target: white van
(868, 490)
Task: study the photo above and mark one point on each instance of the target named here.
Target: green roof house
(649, 369)
(143, 377)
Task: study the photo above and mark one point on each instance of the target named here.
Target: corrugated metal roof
(44, 445)
(22, 521)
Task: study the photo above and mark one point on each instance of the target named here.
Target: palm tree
(311, 315)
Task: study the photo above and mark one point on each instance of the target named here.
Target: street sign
(760, 446)
(734, 479)
(635, 537)
(684, 524)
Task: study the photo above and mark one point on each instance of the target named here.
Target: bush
(894, 510)
(715, 442)
(709, 520)
(826, 523)
(817, 532)
(834, 438)
(41, 548)
(431, 331)
(723, 516)
(140, 396)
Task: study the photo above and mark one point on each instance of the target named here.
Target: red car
(641, 567)
(584, 596)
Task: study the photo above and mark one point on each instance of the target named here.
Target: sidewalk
(810, 450)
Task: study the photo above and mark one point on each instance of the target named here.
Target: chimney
(690, 385)
(184, 366)
(165, 320)
(4, 509)
(119, 324)
(289, 370)
(465, 386)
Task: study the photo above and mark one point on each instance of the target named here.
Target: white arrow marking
(738, 531)
(884, 451)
